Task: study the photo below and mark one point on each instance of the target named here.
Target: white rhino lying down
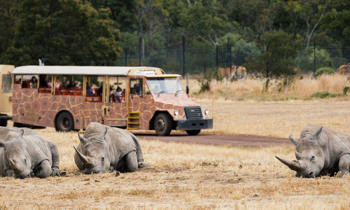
(105, 148)
(24, 153)
(320, 151)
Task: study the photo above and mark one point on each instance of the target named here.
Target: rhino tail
(139, 154)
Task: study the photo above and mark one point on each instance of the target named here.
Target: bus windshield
(164, 85)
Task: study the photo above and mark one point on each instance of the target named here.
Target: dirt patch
(212, 139)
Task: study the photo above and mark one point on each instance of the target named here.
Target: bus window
(30, 81)
(6, 83)
(18, 79)
(45, 83)
(94, 87)
(136, 86)
(69, 85)
(117, 86)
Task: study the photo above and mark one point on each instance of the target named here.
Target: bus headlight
(176, 112)
(206, 111)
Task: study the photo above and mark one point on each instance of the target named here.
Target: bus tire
(64, 122)
(193, 132)
(3, 123)
(163, 124)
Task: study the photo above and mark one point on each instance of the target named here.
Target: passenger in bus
(89, 90)
(111, 94)
(58, 84)
(118, 95)
(33, 82)
(43, 81)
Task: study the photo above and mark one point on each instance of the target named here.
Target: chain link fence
(191, 60)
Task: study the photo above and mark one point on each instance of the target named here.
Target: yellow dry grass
(189, 176)
(301, 87)
(185, 176)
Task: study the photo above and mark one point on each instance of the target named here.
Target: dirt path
(212, 139)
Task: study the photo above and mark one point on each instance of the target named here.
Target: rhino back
(38, 148)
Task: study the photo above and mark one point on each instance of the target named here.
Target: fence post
(141, 50)
(183, 54)
(217, 57)
(126, 56)
(314, 55)
(287, 86)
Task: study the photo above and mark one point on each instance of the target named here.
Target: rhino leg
(344, 165)
(131, 162)
(54, 155)
(43, 170)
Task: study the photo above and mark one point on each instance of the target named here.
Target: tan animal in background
(233, 73)
(344, 69)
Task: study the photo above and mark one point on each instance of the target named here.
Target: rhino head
(94, 154)
(17, 157)
(310, 158)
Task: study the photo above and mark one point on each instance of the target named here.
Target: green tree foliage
(324, 70)
(7, 24)
(64, 32)
(278, 50)
(305, 59)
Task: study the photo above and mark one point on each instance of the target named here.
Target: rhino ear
(105, 132)
(318, 133)
(82, 139)
(293, 140)
(21, 132)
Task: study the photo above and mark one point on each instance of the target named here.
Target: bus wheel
(193, 132)
(3, 123)
(64, 122)
(163, 124)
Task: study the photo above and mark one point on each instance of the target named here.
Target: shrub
(324, 94)
(324, 70)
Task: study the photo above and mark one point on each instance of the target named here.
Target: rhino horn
(82, 139)
(293, 140)
(294, 165)
(82, 157)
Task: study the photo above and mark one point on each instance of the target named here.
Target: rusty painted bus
(136, 98)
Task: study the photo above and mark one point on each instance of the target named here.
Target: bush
(305, 60)
(324, 94)
(324, 70)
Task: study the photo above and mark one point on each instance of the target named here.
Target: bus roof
(89, 70)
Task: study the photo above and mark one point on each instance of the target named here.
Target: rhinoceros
(104, 148)
(24, 153)
(320, 151)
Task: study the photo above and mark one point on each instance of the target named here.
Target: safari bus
(136, 98)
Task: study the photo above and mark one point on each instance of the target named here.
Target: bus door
(115, 109)
(134, 99)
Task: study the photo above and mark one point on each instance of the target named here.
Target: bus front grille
(193, 112)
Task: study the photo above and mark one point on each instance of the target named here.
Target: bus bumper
(5, 117)
(194, 124)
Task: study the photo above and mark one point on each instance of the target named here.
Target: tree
(64, 32)
(278, 51)
(311, 12)
(7, 24)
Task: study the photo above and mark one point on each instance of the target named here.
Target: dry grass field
(189, 176)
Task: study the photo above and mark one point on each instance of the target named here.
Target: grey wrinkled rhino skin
(320, 151)
(24, 153)
(105, 148)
